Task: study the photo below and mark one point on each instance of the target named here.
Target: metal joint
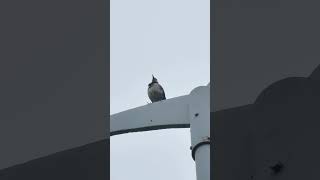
(194, 149)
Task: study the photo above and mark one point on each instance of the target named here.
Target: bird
(155, 91)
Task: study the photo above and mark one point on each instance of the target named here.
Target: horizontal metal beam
(170, 113)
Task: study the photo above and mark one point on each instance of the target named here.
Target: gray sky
(171, 40)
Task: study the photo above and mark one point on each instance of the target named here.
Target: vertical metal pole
(199, 113)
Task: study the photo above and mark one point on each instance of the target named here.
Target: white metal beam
(171, 113)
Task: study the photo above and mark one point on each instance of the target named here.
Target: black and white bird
(155, 91)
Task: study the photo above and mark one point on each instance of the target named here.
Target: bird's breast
(155, 89)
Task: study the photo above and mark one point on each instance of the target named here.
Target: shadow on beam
(150, 128)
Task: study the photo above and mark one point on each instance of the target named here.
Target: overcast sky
(169, 39)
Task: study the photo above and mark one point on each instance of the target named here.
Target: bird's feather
(156, 92)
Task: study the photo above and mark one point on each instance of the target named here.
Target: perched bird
(155, 91)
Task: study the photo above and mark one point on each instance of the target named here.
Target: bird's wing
(164, 94)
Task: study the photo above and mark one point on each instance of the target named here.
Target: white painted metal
(199, 114)
(191, 110)
(203, 162)
(171, 112)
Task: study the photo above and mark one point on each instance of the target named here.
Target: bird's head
(154, 80)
